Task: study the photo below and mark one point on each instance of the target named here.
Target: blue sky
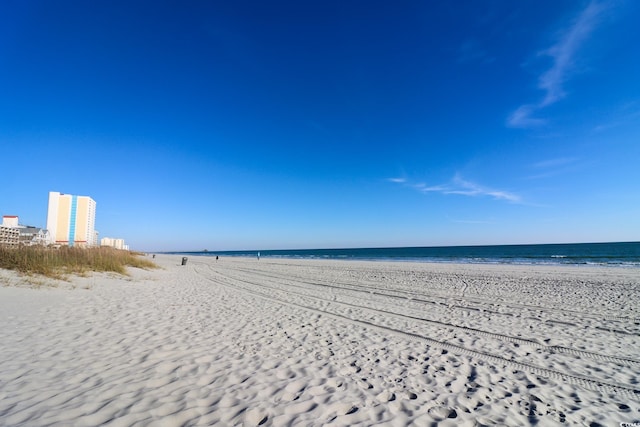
(288, 124)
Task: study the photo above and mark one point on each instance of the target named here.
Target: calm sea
(619, 254)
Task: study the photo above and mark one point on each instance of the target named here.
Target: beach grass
(58, 263)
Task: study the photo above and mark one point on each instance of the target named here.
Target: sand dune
(241, 342)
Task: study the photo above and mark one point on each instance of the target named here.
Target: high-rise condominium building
(71, 220)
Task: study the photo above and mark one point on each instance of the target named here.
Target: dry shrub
(57, 263)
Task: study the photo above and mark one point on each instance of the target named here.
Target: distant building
(114, 243)
(34, 236)
(71, 220)
(10, 220)
(9, 236)
(27, 235)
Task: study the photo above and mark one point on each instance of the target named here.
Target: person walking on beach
(258, 256)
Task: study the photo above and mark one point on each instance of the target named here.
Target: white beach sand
(242, 342)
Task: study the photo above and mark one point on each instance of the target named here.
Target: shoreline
(414, 260)
(626, 254)
(314, 342)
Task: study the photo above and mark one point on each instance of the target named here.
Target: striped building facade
(71, 220)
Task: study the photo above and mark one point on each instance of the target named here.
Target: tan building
(71, 220)
(114, 243)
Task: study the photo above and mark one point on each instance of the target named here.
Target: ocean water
(618, 254)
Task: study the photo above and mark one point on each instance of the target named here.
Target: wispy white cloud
(522, 117)
(552, 167)
(462, 187)
(628, 114)
(397, 180)
(563, 55)
(468, 188)
(550, 163)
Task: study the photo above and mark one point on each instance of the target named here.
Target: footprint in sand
(440, 413)
(285, 374)
(334, 382)
(256, 417)
(293, 390)
(300, 408)
(386, 396)
(339, 409)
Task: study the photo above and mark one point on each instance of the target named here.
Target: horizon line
(395, 247)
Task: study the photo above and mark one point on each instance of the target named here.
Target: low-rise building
(34, 236)
(27, 234)
(9, 236)
(114, 243)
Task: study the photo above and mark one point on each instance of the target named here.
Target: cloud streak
(626, 117)
(556, 162)
(462, 187)
(563, 55)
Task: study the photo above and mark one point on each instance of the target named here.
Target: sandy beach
(279, 342)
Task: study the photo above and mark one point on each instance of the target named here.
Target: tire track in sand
(551, 349)
(581, 381)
